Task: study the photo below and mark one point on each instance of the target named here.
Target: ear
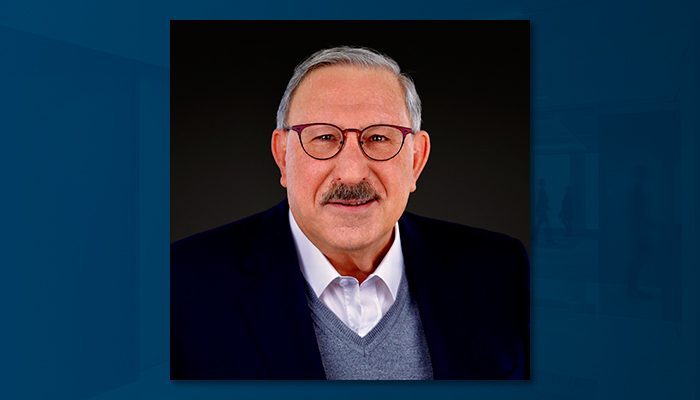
(421, 152)
(279, 152)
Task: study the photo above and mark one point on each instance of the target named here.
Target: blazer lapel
(426, 290)
(276, 304)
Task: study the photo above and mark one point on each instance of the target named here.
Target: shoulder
(451, 254)
(473, 287)
(443, 228)
(212, 277)
(230, 243)
(448, 238)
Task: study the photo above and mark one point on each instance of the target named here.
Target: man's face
(349, 97)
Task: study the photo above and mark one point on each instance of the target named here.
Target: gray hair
(358, 56)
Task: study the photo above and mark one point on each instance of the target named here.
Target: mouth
(352, 204)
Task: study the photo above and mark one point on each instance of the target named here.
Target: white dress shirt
(359, 306)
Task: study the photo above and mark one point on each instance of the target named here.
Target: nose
(351, 165)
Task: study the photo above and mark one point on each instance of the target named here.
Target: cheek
(401, 178)
(397, 182)
(304, 178)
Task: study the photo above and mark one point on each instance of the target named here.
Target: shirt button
(344, 282)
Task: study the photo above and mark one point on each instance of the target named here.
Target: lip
(362, 206)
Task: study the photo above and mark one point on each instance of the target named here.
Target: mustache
(362, 191)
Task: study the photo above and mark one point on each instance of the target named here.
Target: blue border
(85, 173)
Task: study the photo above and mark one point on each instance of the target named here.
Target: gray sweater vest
(394, 349)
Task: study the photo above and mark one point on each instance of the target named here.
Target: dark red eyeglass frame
(298, 128)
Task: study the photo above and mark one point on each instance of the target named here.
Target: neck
(361, 263)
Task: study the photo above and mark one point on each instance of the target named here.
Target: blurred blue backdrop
(84, 238)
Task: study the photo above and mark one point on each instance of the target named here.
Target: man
(338, 281)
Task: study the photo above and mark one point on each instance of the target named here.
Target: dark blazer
(239, 307)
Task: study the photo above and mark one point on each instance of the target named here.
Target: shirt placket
(351, 294)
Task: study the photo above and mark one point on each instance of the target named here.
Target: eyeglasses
(379, 142)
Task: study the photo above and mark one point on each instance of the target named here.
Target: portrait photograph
(350, 200)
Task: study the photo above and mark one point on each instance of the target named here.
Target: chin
(352, 239)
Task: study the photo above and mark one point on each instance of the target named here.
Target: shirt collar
(319, 272)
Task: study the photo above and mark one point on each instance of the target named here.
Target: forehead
(349, 95)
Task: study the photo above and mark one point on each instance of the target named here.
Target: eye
(325, 138)
(377, 138)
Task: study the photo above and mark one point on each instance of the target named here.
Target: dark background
(227, 79)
